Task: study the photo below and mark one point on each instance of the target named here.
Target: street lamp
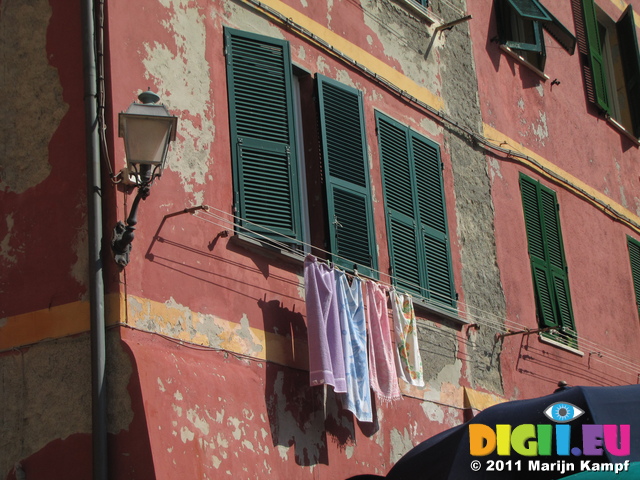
(147, 129)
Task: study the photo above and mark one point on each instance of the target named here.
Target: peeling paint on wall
(30, 95)
(45, 393)
(540, 129)
(400, 443)
(409, 50)
(80, 269)
(7, 252)
(182, 76)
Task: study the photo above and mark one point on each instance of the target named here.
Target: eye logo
(563, 412)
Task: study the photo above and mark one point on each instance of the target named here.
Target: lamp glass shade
(147, 131)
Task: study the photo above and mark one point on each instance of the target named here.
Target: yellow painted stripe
(50, 323)
(480, 400)
(358, 54)
(55, 322)
(179, 322)
(501, 140)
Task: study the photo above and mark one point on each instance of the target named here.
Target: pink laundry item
(382, 371)
(326, 356)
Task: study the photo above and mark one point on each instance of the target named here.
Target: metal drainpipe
(94, 213)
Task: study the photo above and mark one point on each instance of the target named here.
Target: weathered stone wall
(45, 393)
(481, 288)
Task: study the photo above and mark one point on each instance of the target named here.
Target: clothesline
(488, 319)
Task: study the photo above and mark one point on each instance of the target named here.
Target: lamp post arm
(123, 234)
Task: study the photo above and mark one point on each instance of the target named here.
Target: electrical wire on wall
(499, 325)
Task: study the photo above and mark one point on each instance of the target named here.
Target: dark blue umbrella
(571, 434)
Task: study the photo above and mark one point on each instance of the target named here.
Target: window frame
(602, 82)
(514, 17)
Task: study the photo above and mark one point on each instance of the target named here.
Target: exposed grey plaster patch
(80, 269)
(540, 130)
(244, 332)
(479, 277)
(244, 18)
(494, 169)
(30, 95)
(119, 370)
(183, 81)
(375, 96)
(405, 40)
(521, 103)
(623, 198)
(343, 76)
(321, 65)
(301, 289)
(540, 89)
(45, 393)
(302, 53)
(304, 3)
(400, 443)
(431, 127)
(438, 347)
(6, 251)
(434, 412)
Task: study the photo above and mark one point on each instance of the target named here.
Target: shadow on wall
(538, 361)
(129, 450)
(302, 416)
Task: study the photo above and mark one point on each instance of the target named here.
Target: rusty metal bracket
(526, 331)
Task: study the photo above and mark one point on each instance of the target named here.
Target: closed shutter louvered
(634, 258)
(262, 135)
(432, 218)
(344, 151)
(597, 83)
(416, 212)
(628, 41)
(402, 231)
(546, 252)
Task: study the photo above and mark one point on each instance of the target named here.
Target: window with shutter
(613, 76)
(346, 167)
(415, 210)
(520, 24)
(634, 258)
(548, 265)
(259, 81)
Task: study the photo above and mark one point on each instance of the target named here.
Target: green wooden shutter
(634, 258)
(556, 258)
(416, 213)
(530, 9)
(597, 84)
(432, 218)
(262, 135)
(546, 252)
(344, 150)
(403, 233)
(630, 56)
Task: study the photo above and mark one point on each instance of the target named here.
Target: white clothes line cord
(488, 319)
